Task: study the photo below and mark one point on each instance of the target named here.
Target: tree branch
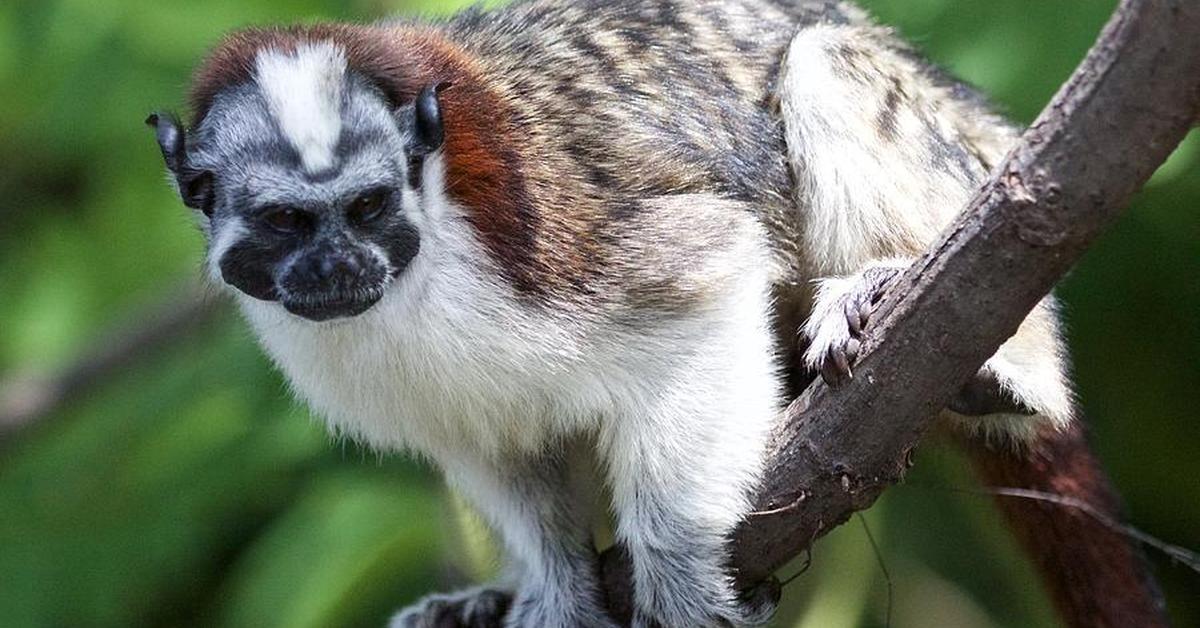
(1110, 126)
(27, 398)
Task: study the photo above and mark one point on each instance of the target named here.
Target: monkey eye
(286, 219)
(367, 207)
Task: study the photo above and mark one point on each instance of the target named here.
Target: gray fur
(678, 175)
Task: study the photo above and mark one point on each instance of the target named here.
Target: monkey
(563, 235)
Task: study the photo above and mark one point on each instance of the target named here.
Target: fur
(882, 163)
(303, 90)
(626, 217)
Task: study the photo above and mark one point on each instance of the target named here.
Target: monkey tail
(1096, 575)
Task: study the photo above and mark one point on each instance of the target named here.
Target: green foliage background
(190, 490)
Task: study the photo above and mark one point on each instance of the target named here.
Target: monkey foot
(984, 395)
(841, 312)
(835, 331)
(473, 608)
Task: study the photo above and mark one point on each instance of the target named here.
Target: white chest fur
(432, 367)
(451, 361)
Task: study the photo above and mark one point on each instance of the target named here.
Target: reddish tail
(1096, 575)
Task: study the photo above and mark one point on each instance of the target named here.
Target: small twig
(887, 577)
(799, 572)
(794, 504)
(1182, 555)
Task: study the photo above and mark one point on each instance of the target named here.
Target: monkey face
(321, 256)
(300, 177)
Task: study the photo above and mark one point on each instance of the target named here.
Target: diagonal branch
(1110, 126)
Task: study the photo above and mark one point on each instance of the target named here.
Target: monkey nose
(323, 269)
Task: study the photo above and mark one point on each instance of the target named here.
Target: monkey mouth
(321, 308)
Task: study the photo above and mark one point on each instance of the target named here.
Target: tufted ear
(428, 131)
(423, 120)
(195, 187)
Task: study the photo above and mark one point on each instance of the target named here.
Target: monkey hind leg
(1019, 389)
(1031, 369)
(884, 153)
(477, 607)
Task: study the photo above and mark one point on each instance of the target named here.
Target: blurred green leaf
(338, 557)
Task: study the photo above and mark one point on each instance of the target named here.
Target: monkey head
(300, 175)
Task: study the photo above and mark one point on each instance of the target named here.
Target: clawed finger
(854, 317)
(836, 368)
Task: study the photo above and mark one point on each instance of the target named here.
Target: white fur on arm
(877, 172)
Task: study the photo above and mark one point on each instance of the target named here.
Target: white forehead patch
(304, 94)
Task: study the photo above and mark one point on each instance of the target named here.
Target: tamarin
(567, 235)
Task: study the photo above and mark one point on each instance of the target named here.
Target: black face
(340, 238)
(322, 262)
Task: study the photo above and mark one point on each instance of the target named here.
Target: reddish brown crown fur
(484, 172)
